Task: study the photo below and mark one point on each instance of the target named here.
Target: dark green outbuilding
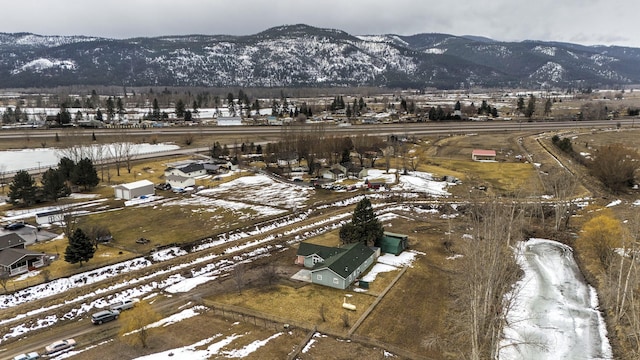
(392, 243)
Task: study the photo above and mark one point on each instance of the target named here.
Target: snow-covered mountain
(301, 55)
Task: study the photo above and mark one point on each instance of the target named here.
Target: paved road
(378, 129)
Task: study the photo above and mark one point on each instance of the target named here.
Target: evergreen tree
(531, 107)
(346, 156)
(180, 109)
(84, 174)
(95, 99)
(547, 107)
(364, 226)
(54, 185)
(520, 105)
(403, 105)
(65, 167)
(156, 110)
(63, 117)
(22, 189)
(80, 248)
(120, 106)
(110, 109)
(361, 104)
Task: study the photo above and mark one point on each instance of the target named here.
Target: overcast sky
(589, 22)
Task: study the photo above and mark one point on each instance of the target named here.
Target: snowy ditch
(555, 314)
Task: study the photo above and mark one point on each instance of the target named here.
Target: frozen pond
(14, 160)
(556, 313)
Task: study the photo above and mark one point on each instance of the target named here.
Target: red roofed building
(483, 155)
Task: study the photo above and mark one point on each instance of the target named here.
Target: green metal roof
(345, 262)
(325, 252)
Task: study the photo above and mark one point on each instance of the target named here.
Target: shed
(134, 189)
(483, 155)
(392, 243)
(49, 217)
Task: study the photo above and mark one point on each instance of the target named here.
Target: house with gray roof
(309, 254)
(191, 170)
(335, 267)
(15, 259)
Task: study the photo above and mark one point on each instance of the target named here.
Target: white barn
(133, 190)
(230, 121)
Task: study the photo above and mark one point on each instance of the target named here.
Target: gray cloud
(583, 21)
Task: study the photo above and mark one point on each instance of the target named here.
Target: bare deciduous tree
(323, 312)
(346, 322)
(4, 278)
(484, 288)
(561, 184)
(134, 324)
(238, 276)
(615, 166)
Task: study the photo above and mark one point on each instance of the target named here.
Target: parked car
(104, 238)
(29, 356)
(124, 304)
(104, 316)
(60, 346)
(14, 226)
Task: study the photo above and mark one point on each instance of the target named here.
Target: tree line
(55, 183)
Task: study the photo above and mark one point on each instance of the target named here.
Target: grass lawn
(59, 268)
(301, 304)
(502, 177)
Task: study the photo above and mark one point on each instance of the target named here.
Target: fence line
(279, 324)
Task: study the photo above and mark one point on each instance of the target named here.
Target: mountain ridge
(303, 55)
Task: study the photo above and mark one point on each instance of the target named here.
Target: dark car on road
(14, 226)
(104, 316)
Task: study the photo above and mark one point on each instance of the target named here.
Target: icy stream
(556, 313)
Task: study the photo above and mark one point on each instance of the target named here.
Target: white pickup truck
(123, 304)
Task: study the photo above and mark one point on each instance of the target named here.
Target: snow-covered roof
(136, 184)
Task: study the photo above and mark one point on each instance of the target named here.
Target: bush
(615, 166)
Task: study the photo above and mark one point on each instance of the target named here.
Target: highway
(427, 128)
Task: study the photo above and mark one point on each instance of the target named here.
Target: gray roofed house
(310, 254)
(11, 240)
(190, 170)
(336, 267)
(15, 259)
